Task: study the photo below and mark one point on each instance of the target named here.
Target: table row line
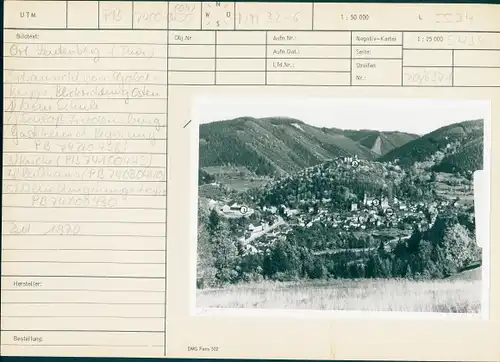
(121, 189)
(255, 62)
(363, 73)
(244, 63)
(73, 283)
(42, 295)
(98, 243)
(140, 324)
(155, 54)
(84, 269)
(71, 349)
(128, 43)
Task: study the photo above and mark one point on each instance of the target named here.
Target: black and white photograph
(341, 205)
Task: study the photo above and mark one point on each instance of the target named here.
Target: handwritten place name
(91, 51)
(34, 132)
(63, 91)
(38, 105)
(54, 50)
(89, 119)
(105, 91)
(14, 91)
(121, 77)
(78, 160)
(85, 174)
(141, 189)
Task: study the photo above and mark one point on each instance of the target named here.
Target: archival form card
(250, 180)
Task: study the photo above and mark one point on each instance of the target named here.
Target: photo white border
(195, 311)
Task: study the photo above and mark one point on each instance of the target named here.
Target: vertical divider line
(453, 67)
(132, 14)
(98, 15)
(166, 184)
(350, 60)
(215, 56)
(234, 14)
(402, 51)
(265, 59)
(312, 16)
(201, 15)
(67, 4)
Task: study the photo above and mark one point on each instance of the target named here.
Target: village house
(291, 212)
(271, 209)
(235, 210)
(231, 206)
(368, 201)
(257, 229)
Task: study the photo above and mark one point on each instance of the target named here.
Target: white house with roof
(271, 209)
(231, 206)
(235, 209)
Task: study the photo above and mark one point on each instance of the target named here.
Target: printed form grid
(86, 99)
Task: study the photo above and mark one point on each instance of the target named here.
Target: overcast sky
(414, 116)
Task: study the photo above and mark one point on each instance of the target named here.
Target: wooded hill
(454, 148)
(380, 142)
(276, 146)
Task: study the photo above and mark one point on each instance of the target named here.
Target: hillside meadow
(460, 294)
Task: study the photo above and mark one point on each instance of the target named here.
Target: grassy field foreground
(457, 295)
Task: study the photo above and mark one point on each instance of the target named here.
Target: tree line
(448, 247)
